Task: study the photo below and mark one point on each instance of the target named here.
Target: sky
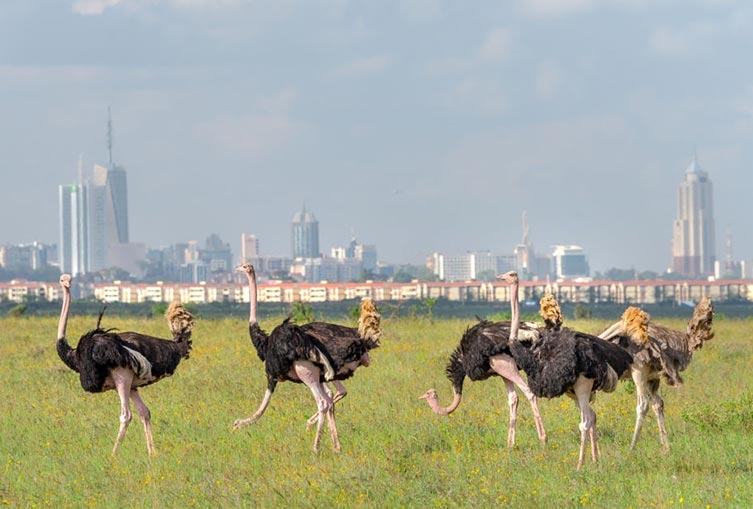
(419, 125)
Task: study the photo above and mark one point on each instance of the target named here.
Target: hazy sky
(423, 125)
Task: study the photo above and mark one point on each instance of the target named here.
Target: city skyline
(693, 243)
(423, 126)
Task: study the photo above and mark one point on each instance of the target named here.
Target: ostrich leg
(341, 391)
(308, 373)
(582, 388)
(641, 408)
(123, 379)
(658, 404)
(340, 394)
(512, 401)
(505, 366)
(240, 423)
(146, 418)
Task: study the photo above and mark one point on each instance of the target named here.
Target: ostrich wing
(342, 343)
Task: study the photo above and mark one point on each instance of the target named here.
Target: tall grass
(55, 440)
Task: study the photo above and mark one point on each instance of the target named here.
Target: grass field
(55, 440)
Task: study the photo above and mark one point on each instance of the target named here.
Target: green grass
(55, 440)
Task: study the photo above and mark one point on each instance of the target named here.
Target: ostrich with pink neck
(328, 352)
(564, 361)
(483, 352)
(125, 361)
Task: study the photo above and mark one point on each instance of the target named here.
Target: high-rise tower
(693, 239)
(109, 209)
(305, 235)
(73, 203)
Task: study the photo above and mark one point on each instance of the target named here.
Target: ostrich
(339, 350)
(349, 347)
(564, 361)
(664, 354)
(484, 352)
(125, 361)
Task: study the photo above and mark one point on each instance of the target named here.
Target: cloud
(24, 74)
(478, 96)
(553, 7)
(548, 80)
(677, 42)
(423, 10)
(363, 67)
(208, 4)
(496, 46)
(93, 7)
(744, 104)
(257, 133)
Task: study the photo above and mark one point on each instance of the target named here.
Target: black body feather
(555, 361)
(259, 338)
(289, 343)
(101, 350)
(479, 343)
(342, 343)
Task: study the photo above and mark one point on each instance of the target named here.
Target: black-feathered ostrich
(125, 361)
(564, 361)
(483, 352)
(311, 354)
(665, 353)
(348, 346)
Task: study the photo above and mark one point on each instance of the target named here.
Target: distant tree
(648, 275)
(402, 276)
(17, 310)
(673, 276)
(582, 312)
(415, 272)
(429, 302)
(302, 313)
(354, 312)
(158, 309)
(615, 274)
(369, 275)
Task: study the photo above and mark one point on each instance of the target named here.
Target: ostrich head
(509, 277)
(433, 400)
(430, 395)
(247, 268)
(635, 324)
(65, 281)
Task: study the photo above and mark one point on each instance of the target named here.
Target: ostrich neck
(515, 319)
(252, 298)
(437, 409)
(62, 324)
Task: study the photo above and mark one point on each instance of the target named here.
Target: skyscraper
(249, 248)
(305, 235)
(693, 240)
(94, 220)
(73, 202)
(109, 214)
(117, 191)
